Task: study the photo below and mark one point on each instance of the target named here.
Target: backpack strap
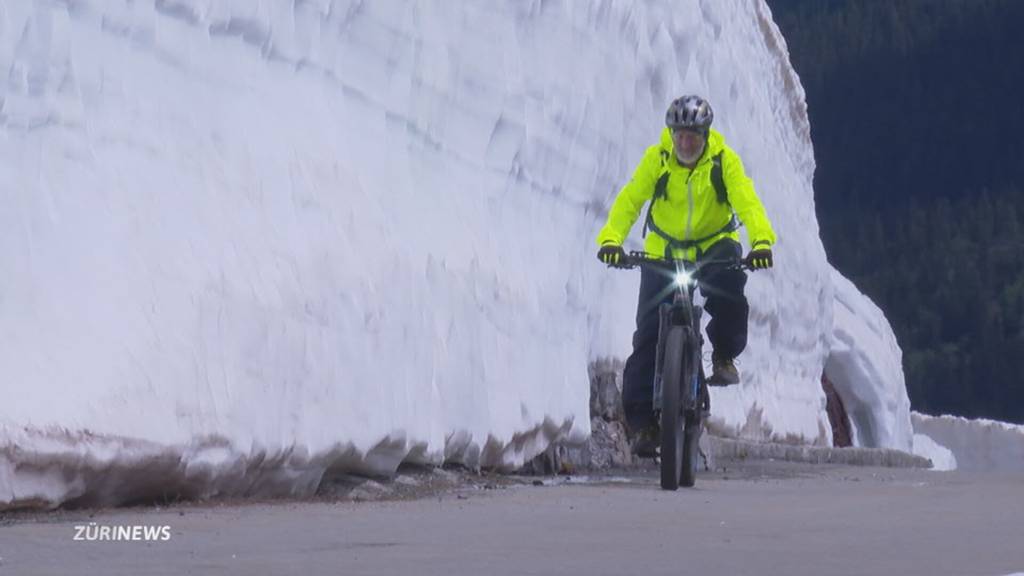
(661, 191)
(674, 243)
(718, 180)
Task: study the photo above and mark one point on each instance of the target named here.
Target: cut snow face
(245, 243)
(865, 366)
(942, 458)
(975, 445)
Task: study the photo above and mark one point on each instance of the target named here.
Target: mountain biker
(694, 218)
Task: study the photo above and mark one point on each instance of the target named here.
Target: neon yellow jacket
(691, 209)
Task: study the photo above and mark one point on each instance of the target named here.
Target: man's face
(689, 144)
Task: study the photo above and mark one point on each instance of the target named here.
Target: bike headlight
(683, 278)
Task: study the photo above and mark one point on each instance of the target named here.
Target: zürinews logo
(93, 532)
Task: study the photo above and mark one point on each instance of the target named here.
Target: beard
(689, 158)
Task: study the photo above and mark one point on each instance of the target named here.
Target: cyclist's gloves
(760, 258)
(611, 254)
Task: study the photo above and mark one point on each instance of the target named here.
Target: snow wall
(865, 366)
(977, 445)
(245, 243)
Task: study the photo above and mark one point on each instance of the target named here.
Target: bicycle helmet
(691, 112)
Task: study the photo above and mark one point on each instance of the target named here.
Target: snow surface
(865, 366)
(942, 458)
(245, 244)
(978, 445)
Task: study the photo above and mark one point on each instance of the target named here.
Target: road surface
(760, 518)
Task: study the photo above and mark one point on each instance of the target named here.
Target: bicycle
(681, 398)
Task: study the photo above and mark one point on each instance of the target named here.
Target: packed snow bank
(247, 244)
(865, 366)
(976, 444)
(942, 458)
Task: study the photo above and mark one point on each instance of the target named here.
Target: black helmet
(691, 112)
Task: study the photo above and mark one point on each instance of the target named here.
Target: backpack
(661, 191)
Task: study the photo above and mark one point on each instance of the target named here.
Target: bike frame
(681, 312)
(682, 407)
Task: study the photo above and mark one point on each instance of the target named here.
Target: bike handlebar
(636, 259)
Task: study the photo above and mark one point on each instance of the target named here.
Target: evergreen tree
(919, 140)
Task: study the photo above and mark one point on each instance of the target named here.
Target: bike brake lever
(622, 266)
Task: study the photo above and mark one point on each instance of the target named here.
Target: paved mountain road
(760, 518)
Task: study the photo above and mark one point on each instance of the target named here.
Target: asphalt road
(763, 519)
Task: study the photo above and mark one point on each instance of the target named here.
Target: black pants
(727, 329)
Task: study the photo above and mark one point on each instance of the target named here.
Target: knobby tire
(672, 449)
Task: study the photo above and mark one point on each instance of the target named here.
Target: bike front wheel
(693, 411)
(672, 435)
(691, 449)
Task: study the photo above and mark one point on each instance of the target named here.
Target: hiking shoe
(647, 442)
(724, 372)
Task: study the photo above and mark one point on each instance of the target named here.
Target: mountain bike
(681, 398)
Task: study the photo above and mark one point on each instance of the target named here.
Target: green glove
(611, 254)
(760, 258)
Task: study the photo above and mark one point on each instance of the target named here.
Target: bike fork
(659, 355)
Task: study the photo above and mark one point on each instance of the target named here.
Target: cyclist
(699, 194)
